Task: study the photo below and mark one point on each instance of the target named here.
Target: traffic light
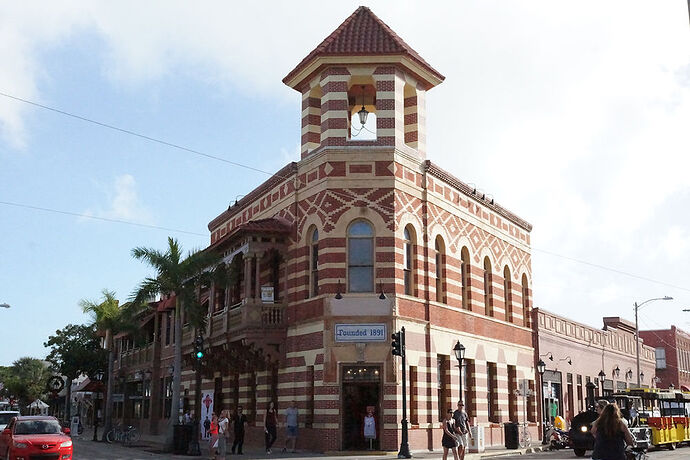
(396, 344)
(199, 347)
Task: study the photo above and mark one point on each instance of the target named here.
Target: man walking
(462, 427)
(238, 421)
(291, 424)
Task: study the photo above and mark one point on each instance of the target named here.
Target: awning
(92, 386)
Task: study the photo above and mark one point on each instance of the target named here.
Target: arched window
(465, 277)
(488, 307)
(314, 263)
(408, 262)
(440, 269)
(507, 295)
(360, 257)
(525, 301)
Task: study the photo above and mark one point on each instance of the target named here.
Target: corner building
(359, 238)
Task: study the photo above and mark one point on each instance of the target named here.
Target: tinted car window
(5, 418)
(37, 427)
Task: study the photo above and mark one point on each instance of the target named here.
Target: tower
(363, 66)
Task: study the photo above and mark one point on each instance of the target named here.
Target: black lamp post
(541, 368)
(98, 376)
(602, 376)
(459, 351)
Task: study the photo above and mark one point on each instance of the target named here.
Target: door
(361, 389)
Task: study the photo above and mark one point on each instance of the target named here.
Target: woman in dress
(213, 431)
(611, 434)
(270, 424)
(449, 441)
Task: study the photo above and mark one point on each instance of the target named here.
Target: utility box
(476, 444)
(511, 433)
(182, 435)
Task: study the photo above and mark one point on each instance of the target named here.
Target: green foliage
(76, 350)
(25, 380)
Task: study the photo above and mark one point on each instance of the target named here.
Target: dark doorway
(361, 389)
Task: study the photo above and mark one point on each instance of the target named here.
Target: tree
(75, 350)
(27, 380)
(110, 318)
(176, 276)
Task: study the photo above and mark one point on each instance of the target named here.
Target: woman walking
(270, 426)
(611, 435)
(213, 441)
(449, 441)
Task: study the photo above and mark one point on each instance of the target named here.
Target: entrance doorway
(361, 388)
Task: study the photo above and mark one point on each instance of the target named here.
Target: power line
(241, 165)
(142, 136)
(106, 219)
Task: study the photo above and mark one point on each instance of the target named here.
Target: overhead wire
(252, 168)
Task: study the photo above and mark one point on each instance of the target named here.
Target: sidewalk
(154, 445)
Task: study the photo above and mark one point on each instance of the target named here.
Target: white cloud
(676, 243)
(123, 202)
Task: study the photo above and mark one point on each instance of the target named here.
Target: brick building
(335, 252)
(575, 354)
(672, 353)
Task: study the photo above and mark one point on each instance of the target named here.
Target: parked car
(6, 416)
(36, 436)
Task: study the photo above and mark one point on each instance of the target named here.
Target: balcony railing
(137, 356)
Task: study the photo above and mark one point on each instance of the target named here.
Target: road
(87, 450)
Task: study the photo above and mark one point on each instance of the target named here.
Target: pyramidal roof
(363, 34)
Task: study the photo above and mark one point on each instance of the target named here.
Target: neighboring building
(335, 252)
(672, 353)
(575, 354)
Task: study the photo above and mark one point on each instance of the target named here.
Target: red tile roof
(363, 33)
(166, 304)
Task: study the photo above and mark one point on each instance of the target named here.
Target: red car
(35, 437)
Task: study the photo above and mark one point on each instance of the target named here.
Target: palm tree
(110, 318)
(177, 276)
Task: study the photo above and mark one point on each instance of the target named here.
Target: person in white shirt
(223, 433)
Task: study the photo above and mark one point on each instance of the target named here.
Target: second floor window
(360, 257)
(660, 354)
(314, 263)
(407, 263)
(488, 307)
(507, 297)
(440, 269)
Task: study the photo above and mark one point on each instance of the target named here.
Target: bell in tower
(363, 86)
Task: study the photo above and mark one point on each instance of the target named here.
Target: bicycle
(125, 436)
(525, 438)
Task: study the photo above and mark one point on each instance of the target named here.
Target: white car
(6, 416)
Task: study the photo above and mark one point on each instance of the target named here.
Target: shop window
(492, 392)
(512, 397)
(414, 398)
(360, 241)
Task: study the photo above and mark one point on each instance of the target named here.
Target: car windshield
(5, 418)
(37, 427)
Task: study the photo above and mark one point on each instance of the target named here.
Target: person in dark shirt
(611, 435)
(270, 426)
(239, 420)
(462, 429)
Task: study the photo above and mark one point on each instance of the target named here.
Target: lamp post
(541, 368)
(637, 333)
(602, 376)
(98, 376)
(459, 351)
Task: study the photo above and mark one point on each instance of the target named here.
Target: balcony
(136, 356)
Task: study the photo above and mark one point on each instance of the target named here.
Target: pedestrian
(207, 426)
(270, 426)
(223, 434)
(610, 435)
(462, 429)
(238, 421)
(449, 441)
(370, 427)
(213, 440)
(291, 424)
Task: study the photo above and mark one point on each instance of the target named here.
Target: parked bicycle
(126, 436)
(525, 439)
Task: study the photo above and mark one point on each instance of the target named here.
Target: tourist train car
(666, 413)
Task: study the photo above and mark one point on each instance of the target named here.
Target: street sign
(361, 333)
(118, 397)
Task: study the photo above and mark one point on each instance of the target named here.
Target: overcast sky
(574, 115)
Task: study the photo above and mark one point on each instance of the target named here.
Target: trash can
(182, 434)
(511, 435)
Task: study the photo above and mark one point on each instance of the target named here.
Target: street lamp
(459, 351)
(4, 305)
(98, 376)
(637, 333)
(616, 371)
(541, 368)
(602, 376)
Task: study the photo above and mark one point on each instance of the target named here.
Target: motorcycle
(558, 439)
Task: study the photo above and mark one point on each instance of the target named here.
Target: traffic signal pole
(398, 346)
(194, 448)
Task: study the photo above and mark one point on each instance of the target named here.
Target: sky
(574, 115)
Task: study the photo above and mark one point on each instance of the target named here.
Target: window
(507, 294)
(512, 396)
(442, 364)
(314, 264)
(310, 397)
(525, 301)
(440, 269)
(235, 279)
(465, 277)
(492, 392)
(660, 354)
(414, 389)
(488, 307)
(360, 257)
(408, 254)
